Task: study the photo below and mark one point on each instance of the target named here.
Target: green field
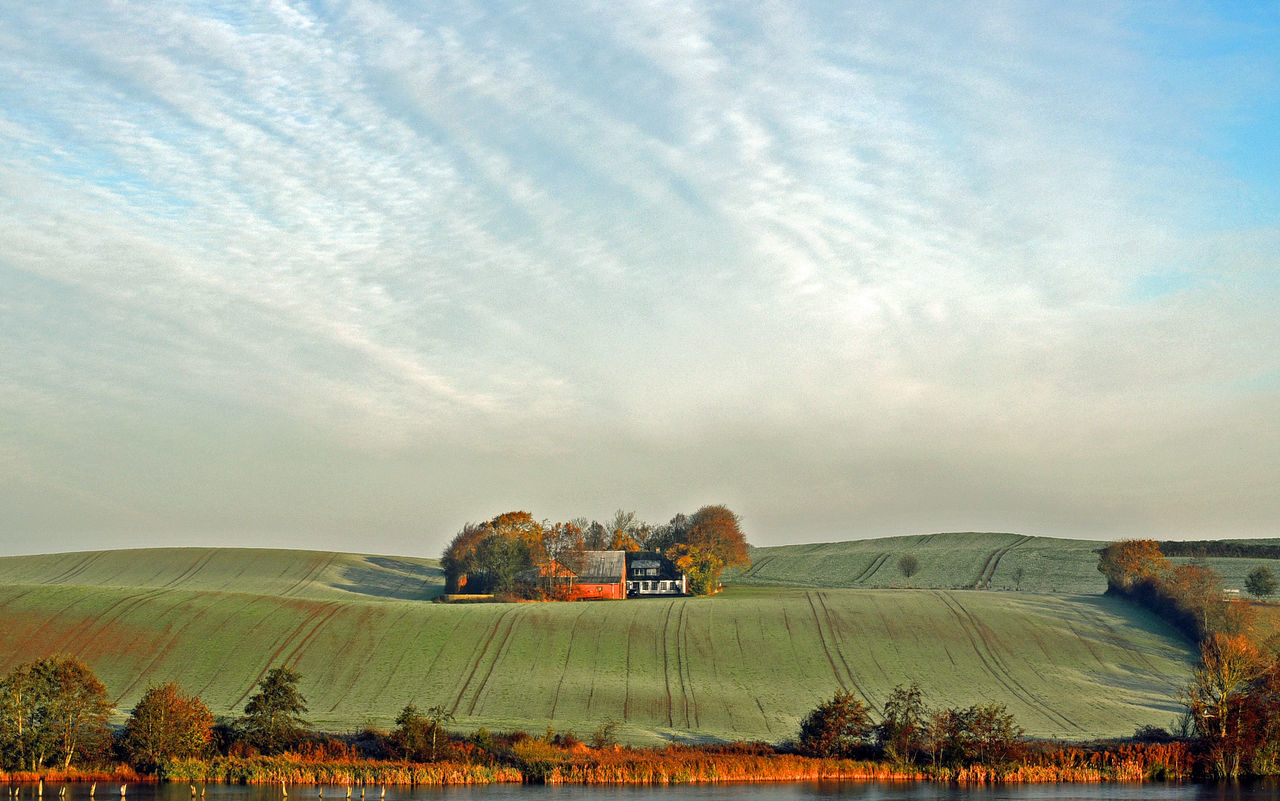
(955, 561)
(745, 664)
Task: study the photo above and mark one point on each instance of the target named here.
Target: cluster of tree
(911, 732)
(1189, 596)
(53, 713)
(487, 557)
(1232, 549)
(1233, 707)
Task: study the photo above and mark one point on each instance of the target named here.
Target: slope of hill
(956, 561)
(745, 664)
(276, 572)
(946, 561)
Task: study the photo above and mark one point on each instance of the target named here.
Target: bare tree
(908, 565)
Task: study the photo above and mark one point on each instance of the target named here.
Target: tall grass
(294, 769)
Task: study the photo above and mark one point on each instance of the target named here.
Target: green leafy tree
(498, 560)
(417, 734)
(51, 711)
(902, 732)
(272, 719)
(1261, 582)
(166, 724)
(836, 728)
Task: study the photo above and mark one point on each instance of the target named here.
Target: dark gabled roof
(647, 560)
(602, 567)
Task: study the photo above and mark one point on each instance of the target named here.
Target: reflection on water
(811, 791)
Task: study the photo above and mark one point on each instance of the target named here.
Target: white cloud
(535, 230)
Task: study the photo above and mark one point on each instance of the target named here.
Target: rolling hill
(745, 664)
(956, 561)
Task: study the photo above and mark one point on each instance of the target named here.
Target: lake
(803, 791)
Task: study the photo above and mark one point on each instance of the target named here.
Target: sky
(347, 275)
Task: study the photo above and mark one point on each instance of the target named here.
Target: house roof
(603, 567)
(649, 561)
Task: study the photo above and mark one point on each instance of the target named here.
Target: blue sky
(350, 274)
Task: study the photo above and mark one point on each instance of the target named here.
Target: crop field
(745, 664)
(956, 561)
(946, 561)
(284, 573)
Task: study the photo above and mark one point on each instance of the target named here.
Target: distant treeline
(1268, 549)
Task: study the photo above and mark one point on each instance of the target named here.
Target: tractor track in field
(995, 665)
(493, 663)
(684, 656)
(871, 568)
(76, 633)
(568, 654)
(173, 639)
(666, 666)
(1098, 619)
(631, 638)
(195, 567)
(301, 647)
(404, 652)
(76, 569)
(479, 658)
(280, 603)
(835, 636)
(49, 620)
(271, 660)
(822, 639)
(988, 570)
(756, 567)
(311, 575)
(105, 619)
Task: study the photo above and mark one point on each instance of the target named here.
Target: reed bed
(120, 774)
(291, 769)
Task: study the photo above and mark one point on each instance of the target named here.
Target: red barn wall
(587, 592)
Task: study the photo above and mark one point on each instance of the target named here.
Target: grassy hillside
(955, 561)
(283, 573)
(947, 561)
(745, 664)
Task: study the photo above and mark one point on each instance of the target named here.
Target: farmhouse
(610, 575)
(651, 573)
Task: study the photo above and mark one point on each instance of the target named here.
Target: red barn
(603, 575)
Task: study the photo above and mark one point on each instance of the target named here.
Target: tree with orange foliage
(166, 724)
(1128, 562)
(1216, 697)
(712, 542)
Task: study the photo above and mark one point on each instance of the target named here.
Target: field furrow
(745, 664)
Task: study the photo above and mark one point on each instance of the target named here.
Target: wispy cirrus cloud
(590, 239)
